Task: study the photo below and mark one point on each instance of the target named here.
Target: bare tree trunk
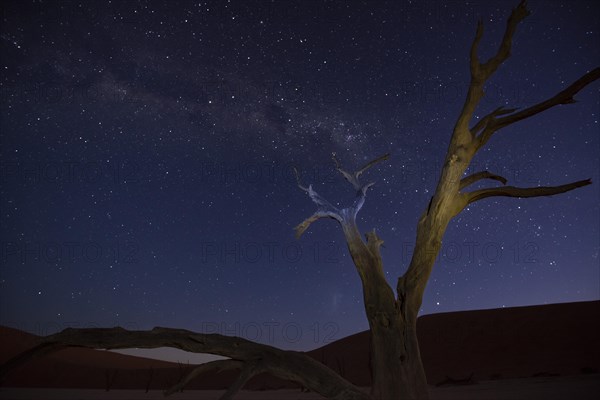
(400, 373)
(396, 362)
(398, 370)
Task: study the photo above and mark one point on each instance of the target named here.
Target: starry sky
(147, 155)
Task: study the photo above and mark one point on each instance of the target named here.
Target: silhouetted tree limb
(288, 365)
(471, 179)
(483, 122)
(511, 191)
(563, 97)
(482, 72)
(353, 177)
(303, 226)
(219, 365)
(490, 124)
(250, 369)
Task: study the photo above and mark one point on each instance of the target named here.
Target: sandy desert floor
(581, 387)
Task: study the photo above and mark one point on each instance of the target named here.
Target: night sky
(147, 151)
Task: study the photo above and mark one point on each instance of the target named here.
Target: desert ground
(537, 352)
(582, 387)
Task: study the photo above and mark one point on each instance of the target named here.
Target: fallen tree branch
(219, 365)
(287, 365)
(250, 369)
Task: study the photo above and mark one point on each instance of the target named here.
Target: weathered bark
(396, 366)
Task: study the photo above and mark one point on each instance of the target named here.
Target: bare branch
(349, 177)
(474, 58)
(563, 97)
(298, 180)
(219, 365)
(371, 163)
(326, 209)
(483, 122)
(471, 179)
(353, 177)
(287, 365)
(480, 73)
(360, 199)
(518, 14)
(323, 204)
(512, 191)
(250, 369)
(302, 227)
(490, 124)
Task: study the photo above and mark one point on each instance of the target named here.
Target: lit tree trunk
(395, 352)
(396, 363)
(397, 368)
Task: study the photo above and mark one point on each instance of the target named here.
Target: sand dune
(557, 339)
(549, 342)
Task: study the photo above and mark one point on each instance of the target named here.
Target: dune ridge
(467, 346)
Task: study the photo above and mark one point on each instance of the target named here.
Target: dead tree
(396, 366)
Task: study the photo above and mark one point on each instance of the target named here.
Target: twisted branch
(326, 209)
(512, 191)
(288, 365)
(219, 365)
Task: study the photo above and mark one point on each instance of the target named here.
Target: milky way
(148, 153)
